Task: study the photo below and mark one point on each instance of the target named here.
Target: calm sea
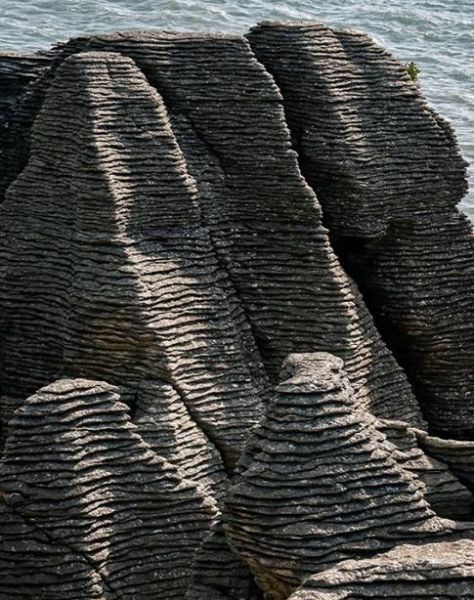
(438, 35)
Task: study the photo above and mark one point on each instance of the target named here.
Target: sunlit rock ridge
(236, 322)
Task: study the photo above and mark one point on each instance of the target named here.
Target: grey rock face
(263, 219)
(82, 488)
(218, 574)
(161, 254)
(17, 73)
(106, 270)
(431, 571)
(411, 448)
(422, 278)
(367, 141)
(388, 173)
(318, 484)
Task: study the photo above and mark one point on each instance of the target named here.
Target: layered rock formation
(254, 202)
(106, 269)
(440, 570)
(318, 484)
(84, 495)
(388, 173)
(17, 72)
(161, 254)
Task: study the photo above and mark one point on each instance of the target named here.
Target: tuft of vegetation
(413, 70)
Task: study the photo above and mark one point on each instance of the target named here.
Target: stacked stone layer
(161, 254)
(318, 483)
(430, 571)
(82, 488)
(263, 219)
(388, 173)
(106, 269)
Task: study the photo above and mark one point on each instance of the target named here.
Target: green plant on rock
(413, 70)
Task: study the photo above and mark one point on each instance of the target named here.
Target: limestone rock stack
(164, 204)
(105, 268)
(264, 221)
(17, 73)
(317, 483)
(430, 571)
(88, 493)
(389, 175)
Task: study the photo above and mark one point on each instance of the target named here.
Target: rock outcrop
(105, 268)
(263, 219)
(17, 72)
(431, 571)
(388, 188)
(82, 489)
(163, 253)
(318, 484)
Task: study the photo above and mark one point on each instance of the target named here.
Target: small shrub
(413, 70)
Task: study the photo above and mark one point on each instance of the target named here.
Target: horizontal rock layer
(159, 236)
(318, 483)
(430, 571)
(368, 142)
(388, 173)
(106, 269)
(262, 218)
(82, 488)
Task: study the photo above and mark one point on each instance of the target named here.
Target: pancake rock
(17, 73)
(167, 427)
(82, 488)
(338, 88)
(411, 448)
(318, 484)
(106, 270)
(218, 574)
(457, 454)
(264, 221)
(422, 280)
(388, 188)
(440, 570)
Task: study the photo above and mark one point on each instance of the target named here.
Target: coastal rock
(457, 454)
(163, 421)
(421, 285)
(368, 143)
(218, 574)
(431, 571)
(106, 270)
(87, 492)
(17, 73)
(412, 450)
(317, 484)
(388, 173)
(264, 221)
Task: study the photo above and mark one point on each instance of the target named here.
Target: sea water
(436, 34)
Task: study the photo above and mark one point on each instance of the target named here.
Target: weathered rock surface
(430, 571)
(422, 280)
(457, 454)
(446, 495)
(318, 484)
(263, 219)
(338, 87)
(161, 254)
(105, 268)
(17, 72)
(82, 488)
(218, 574)
(388, 188)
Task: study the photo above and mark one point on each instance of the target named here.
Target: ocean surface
(437, 35)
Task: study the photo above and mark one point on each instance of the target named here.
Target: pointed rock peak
(309, 373)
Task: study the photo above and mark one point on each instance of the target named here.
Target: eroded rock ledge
(236, 322)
